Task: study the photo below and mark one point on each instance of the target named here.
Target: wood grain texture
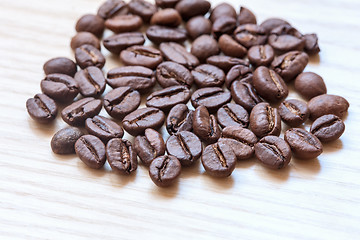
(46, 196)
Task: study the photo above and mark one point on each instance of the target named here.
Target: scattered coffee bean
(271, 23)
(166, 3)
(207, 75)
(273, 152)
(91, 23)
(327, 104)
(225, 62)
(76, 113)
(310, 85)
(328, 128)
(230, 47)
(142, 8)
(121, 156)
(244, 94)
(246, 17)
(149, 146)
(166, 17)
(294, 112)
(87, 55)
(205, 125)
(198, 26)
(311, 44)
(59, 87)
(141, 56)
(112, 8)
(286, 38)
(166, 98)
(261, 55)
(211, 97)
(82, 38)
(41, 108)
(232, 114)
(265, 120)
(116, 43)
(223, 9)
(191, 8)
(173, 74)
(204, 47)
(180, 118)
(250, 35)
(91, 82)
(124, 23)
(63, 141)
(91, 150)
(60, 65)
(165, 170)
(177, 53)
(103, 128)
(158, 34)
(223, 25)
(240, 73)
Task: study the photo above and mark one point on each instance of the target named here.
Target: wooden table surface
(47, 196)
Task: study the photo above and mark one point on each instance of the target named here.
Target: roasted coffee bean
(285, 38)
(232, 114)
(103, 128)
(173, 74)
(223, 9)
(121, 101)
(166, 3)
(185, 146)
(250, 35)
(191, 8)
(204, 47)
(124, 23)
(271, 23)
(290, 64)
(112, 8)
(230, 47)
(207, 75)
(241, 73)
(59, 87)
(198, 26)
(76, 113)
(269, 85)
(205, 126)
(165, 170)
(327, 104)
(328, 128)
(141, 56)
(119, 42)
(90, 23)
(60, 65)
(225, 62)
(223, 25)
(303, 144)
(294, 112)
(245, 95)
(273, 152)
(91, 82)
(41, 108)
(180, 118)
(310, 85)
(311, 44)
(121, 156)
(87, 55)
(91, 150)
(246, 17)
(166, 17)
(136, 122)
(149, 146)
(142, 8)
(177, 53)
(261, 55)
(211, 97)
(136, 77)
(166, 98)
(218, 160)
(82, 38)
(265, 120)
(63, 141)
(158, 34)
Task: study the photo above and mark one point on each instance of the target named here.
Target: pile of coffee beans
(235, 76)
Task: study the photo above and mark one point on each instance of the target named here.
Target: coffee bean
(327, 104)
(265, 120)
(285, 38)
(91, 82)
(177, 53)
(294, 112)
(230, 47)
(149, 146)
(121, 101)
(90, 23)
(225, 62)
(191, 8)
(273, 152)
(60, 65)
(211, 97)
(271, 23)
(166, 3)
(261, 55)
(311, 44)
(82, 38)
(136, 122)
(232, 114)
(290, 64)
(116, 43)
(59, 87)
(91, 151)
(41, 108)
(87, 55)
(164, 170)
(205, 125)
(180, 118)
(245, 95)
(121, 156)
(207, 75)
(76, 113)
(124, 23)
(310, 85)
(328, 128)
(246, 17)
(204, 47)
(142, 8)
(166, 17)
(63, 141)
(241, 73)
(141, 56)
(103, 128)
(303, 144)
(198, 26)
(250, 35)
(112, 8)
(223, 9)
(158, 34)
(223, 25)
(173, 74)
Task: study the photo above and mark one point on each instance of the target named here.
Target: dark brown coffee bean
(180, 118)
(246, 17)
(166, 98)
(311, 44)
(124, 23)
(119, 42)
(91, 150)
(142, 8)
(112, 8)
(271, 23)
(290, 64)
(91, 82)
(285, 38)
(141, 56)
(218, 160)
(230, 47)
(241, 73)
(158, 34)
(294, 112)
(166, 3)
(87, 55)
(166, 17)
(223, 9)
(103, 128)
(41, 108)
(191, 8)
(223, 25)
(205, 126)
(91, 23)
(245, 95)
(177, 53)
(232, 114)
(327, 104)
(207, 75)
(303, 144)
(136, 77)
(59, 87)
(121, 156)
(149, 146)
(250, 35)
(273, 152)
(211, 97)
(261, 55)
(310, 85)
(60, 65)
(136, 122)
(265, 120)
(63, 141)
(225, 62)
(204, 47)
(76, 113)
(165, 170)
(121, 101)
(198, 26)
(173, 74)
(82, 38)
(328, 128)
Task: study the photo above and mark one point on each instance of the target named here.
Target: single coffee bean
(232, 114)
(205, 125)
(180, 118)
(204, 47)
(82, 38)
(207, 75)
(158, 34)
(225, 62)
(166, 17)
(76, 113)
(245, 95)
(197, 26)
(250, 35)
(63, 141)
(121, 156)
(211, 97)
(173, 74)
(141, 56)
(271, 23)
(136, 122)
(328, 128)
(87, 55)
(59, 87)
(294, 112)
(103, 128)
(121, 101)
(177, 53)
(116, 43)
(166, 3)
(149, 146)
(191, 8)
(41, 108)
(142, 8)
(112, 8)
(290, 64)
(273, 152)
(261, 55)
(223, 9)
(265, 120)
(303, 144)
(218, 159)
(91, 150)
(165, 170)
(91, 23)
(230, 47)
(246, 17)
(310, 85)
(223, 25)
(91, 82)
(286, 38)
(311, 44)
(124, 23)
(166, 98)
(241, 73)
(60, 65)
(327, 104)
